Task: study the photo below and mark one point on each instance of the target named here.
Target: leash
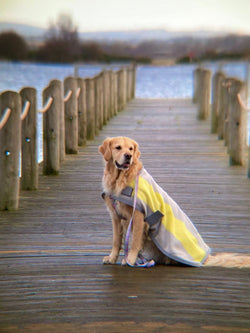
(140, 261)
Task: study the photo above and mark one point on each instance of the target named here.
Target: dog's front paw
(131, 259)
(126, 262)
(108, 260)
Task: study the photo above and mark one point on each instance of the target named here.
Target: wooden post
(130, 82)
(105, 98)
(247, 79)
(111, 80)
(125, 86)
(71, 116)
(223, 111)
(10, 146)
(119, 96)
(129, 76)
(82, 113)
(196, 84)
(204, 93)
(125, 70)
(133, 81)
(121, 90)
(222, 107)
(97, 104)
(29, 178)
(58, 104)
(237, 143)
(216, 100)
(107, 93)
(115, 92)
(248, 165)
(100, 84)
(90, 98)
(58, 91)
(51, 130)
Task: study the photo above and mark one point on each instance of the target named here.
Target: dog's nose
(127, 157)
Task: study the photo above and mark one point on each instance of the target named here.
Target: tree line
(61, 44)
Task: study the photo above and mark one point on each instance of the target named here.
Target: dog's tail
(230, 260)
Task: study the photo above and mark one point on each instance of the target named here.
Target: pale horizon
(117, 15)
(170, 30)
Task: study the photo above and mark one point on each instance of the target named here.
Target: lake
(152, 81)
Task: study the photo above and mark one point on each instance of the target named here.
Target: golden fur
(121, 156)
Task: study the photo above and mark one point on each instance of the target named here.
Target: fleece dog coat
(170, 228)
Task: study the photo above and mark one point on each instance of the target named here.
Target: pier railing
(228, 111)
(74, 111)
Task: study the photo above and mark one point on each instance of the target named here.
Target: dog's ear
(105, 150)
(137, 152)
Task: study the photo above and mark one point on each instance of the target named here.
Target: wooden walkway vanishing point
(51, 273)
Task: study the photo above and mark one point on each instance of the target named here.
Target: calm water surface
(152, 81)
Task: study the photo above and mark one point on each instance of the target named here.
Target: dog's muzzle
(126, 164)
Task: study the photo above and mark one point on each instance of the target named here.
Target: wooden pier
(51, 273)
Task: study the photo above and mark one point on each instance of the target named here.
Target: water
(165, 82)
(177, 81)
(152, 81)
(14, 76)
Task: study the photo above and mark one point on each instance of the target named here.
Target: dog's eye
(118, 147)
(131, 148)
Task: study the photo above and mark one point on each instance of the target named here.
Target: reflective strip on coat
(170, 228)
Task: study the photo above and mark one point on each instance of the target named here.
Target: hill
(128, 36)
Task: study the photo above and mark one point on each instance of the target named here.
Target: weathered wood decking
(51, 273)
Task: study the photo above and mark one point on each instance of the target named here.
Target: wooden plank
(51, 249)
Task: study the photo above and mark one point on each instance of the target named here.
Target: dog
(164, 235)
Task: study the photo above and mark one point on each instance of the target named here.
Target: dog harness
(170, 228)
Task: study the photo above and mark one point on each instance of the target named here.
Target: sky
(112, 15)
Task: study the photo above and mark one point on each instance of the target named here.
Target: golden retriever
(122, 164)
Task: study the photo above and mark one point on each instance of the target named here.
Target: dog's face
(121, 151)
